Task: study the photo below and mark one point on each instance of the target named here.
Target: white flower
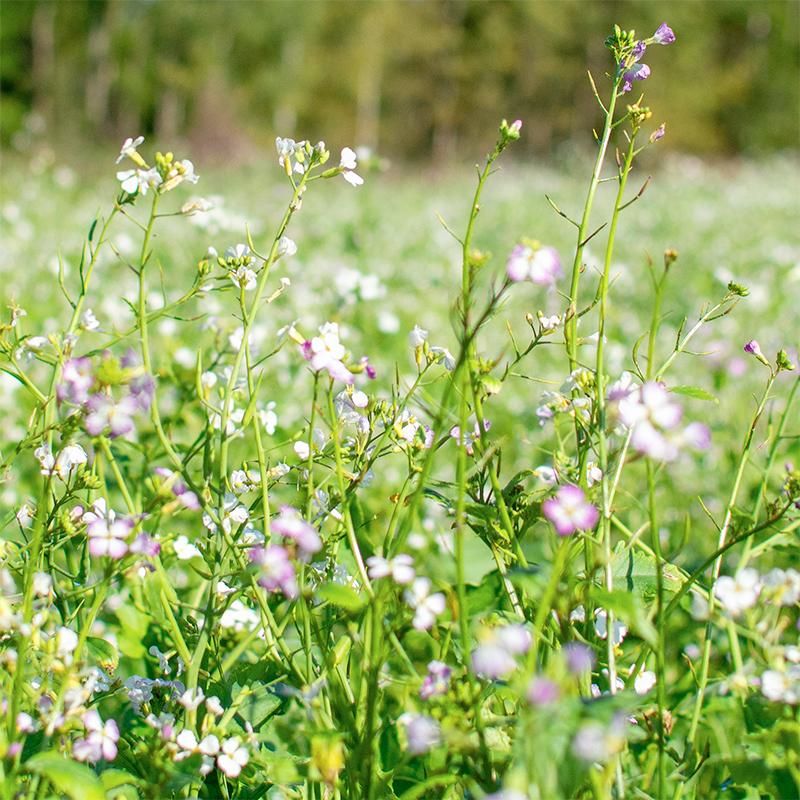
(129, 148)
(620, 630)
(233, 757)
(89, 321)
(782, 587)
(42, 584)
(191, 699)
(441, 355)
(184, 549)
(196, 205)
(25, 515)
(739, 593)
(347, 164)
(69, 458)
(244, 278)
(422, 732)
(400, 568)
(547, 475)
(138, 180)
(286, 247)
(417, 337)
(782, 686)
(426, 606)
(66, 642)
(214, 706)
(644, 682)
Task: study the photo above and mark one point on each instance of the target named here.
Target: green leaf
(694, 392)
(259, 704)
(343, 596)
(103, 652)
(76, 780)
(628, 608)
(637, 572)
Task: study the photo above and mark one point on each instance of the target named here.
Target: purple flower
(495, 657)
(422, 733)
(637, 72)
(106, 413)
(658, 133)
(542, 692)
(292, 526)
(101, 739)
(436, 681)
(76, 380)
(570, 511)
(663, 35)
(541, 265)
(753, 348)
(107, 536)
(579, 658)
(145, 545)
(276, 570)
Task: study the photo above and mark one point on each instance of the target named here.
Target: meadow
(346, 505)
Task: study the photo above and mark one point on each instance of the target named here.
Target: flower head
(570, 511)
(663, 34)
(540, 265)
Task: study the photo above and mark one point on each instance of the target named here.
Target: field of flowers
(324, 481)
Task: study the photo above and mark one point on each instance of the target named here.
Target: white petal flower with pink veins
(426, 606)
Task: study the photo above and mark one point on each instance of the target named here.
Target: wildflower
(196, 205)
(208, 748)
(184, 549)
(658, 133)
(636, 72)
(400, 568)
(619, 630)
(286, 247)
(128, 150)
(436, 681)
(781, 587)
(276, 572)
(739, 593)
(179, 171)
(782, 686)
(495, 657)
(422, 732)
(291, 525)
(100, 742)
(89, 321)
(325, 352)
(468, 439)
(192, 699)
(753, 348)
(68, 460)
(25, 515)
(106, 413)
(579, 657)
(42, 584)
(663, 34)
(542, 692)
(540, 265)
(135, 181)
(654, 418)
(233, 757)
(441, 355)
(347, 164)
(426, 606)
(417, 337)
(66, 642)
(595, 742)
(244, 278)
(107, 536)
(569, 511)
(548, 324)
(644, 682)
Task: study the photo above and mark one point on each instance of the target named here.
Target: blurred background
(415, 80)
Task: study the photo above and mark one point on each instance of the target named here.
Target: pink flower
(569, 511)
(436, 681)
(100, 742)
(292, 526)
(541, 266)
(276, 570)
(107, 536)
(422, 732)
(76, 380)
